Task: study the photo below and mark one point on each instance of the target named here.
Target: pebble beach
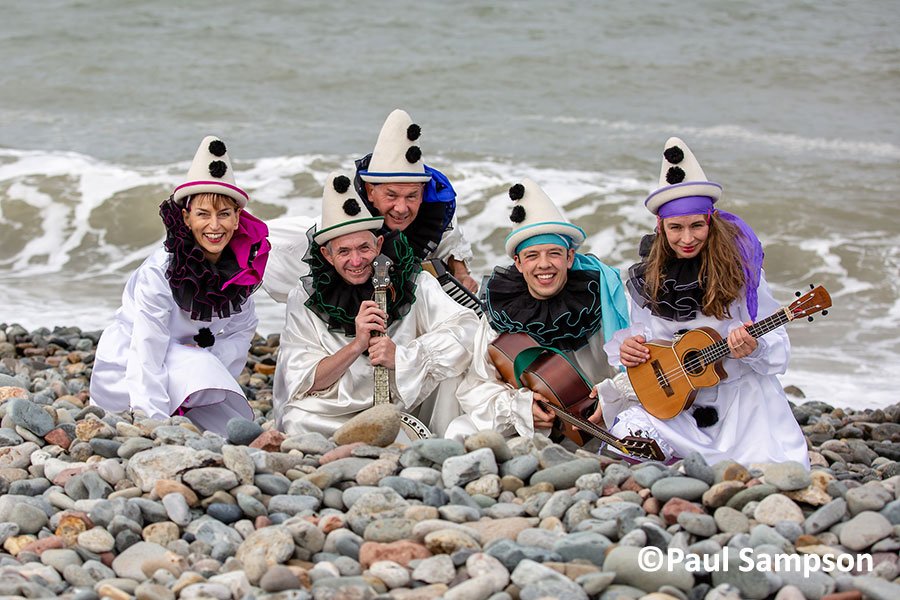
(102, 505)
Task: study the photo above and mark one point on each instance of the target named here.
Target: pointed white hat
(536, 214)
(680, 177)
(342, 210)
(211, 173)
(397, 158)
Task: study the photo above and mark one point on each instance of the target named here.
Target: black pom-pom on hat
(217, 168)
(341, 184)
(518, 214)
(675, 175)
(217, 148)
(351, 206)
(205, 338)
(412, 133)
(674, 155)
(413, 154)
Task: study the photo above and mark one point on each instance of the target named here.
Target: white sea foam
(847, 358)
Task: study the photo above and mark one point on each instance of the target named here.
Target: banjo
(411, 426)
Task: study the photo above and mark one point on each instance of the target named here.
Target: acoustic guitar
(522, 362)
(669, 381)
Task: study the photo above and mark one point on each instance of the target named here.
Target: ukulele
(668, 382)
(522, 362)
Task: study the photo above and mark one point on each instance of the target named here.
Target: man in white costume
(325, 371)
(180, 339)
(564, 300)
(394, 183)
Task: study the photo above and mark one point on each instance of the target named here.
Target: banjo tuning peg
(798, 294)
(811, 286)
(824, 313)
(810, 319)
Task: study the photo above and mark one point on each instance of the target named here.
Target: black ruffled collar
(425, 232)
(565, 322)
(195, 282)
(337, 303)
(680, 296)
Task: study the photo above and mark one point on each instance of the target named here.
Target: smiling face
(686, 235)
(213, 219)
(545, 268)
(398, 203)
(352, 254)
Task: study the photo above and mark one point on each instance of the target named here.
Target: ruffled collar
(565, 322)
(336, 302)
(434, 216)
(202, 288)
(680, 297)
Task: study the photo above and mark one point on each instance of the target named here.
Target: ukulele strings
(680, 371)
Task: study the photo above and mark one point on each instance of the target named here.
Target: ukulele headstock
(381, 279)
(815, 300)
(643, 447)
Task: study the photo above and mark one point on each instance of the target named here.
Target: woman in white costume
(180, 339)
(703, 268)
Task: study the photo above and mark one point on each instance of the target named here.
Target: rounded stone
(97, 540)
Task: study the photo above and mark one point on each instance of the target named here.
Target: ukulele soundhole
(693, 362)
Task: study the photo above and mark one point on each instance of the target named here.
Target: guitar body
(550, 376)
(567, 394)
(668, 382)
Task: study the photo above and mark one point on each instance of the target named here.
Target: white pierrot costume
(396, 158)
(432, 344)
(753, 422)
(150, 357)
(489, 403)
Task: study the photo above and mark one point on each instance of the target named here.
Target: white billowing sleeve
(145, 369)
(285, 265)
(773, 350)
(454, 243)
(298, 355)
(488, 401)
(231, 347)
(640, 325)
(441, 348)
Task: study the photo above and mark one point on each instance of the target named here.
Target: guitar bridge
(661, 378)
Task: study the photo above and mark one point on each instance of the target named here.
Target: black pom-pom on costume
(413, 154)
(217, 168)
(205, 338)
(516, 192)
(413, 132)
(674, 155)
(351, 207)
(706, 416)
(518, 214)
(341, 184)
(675, 175)
(217, 148)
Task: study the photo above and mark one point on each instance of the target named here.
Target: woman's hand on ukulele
(741, 342)
(543, 419)
(633, 351)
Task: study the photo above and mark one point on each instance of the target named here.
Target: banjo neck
(382, 376)
(381, 281)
